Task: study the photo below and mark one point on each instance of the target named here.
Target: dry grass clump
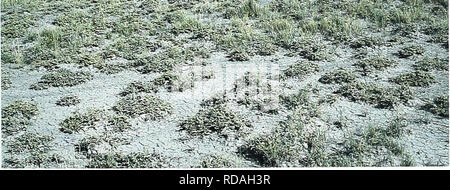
(257, 91)
(300, 69)
(132, 160)
(6, 82)
(411, 50)
(30, 142)
(68, 100)
(62, 78)
(430, 64)
(134, 105)
(338, 76)
(373, 94)
(80, 121)
(214, 119)
(284, 145)
(375, 63)
(365, 42)
(416, 79)
(17, 116)
(438, 106)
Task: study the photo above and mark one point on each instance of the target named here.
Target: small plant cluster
(338, 76)
(6, 82)
(285, 144)
(379, 96)
(375, 63)
(131, 160)
(80, 121)
(430, 64)
(17, 116)
(311, 48)
(438, 106)
(365, 42)
(364, 149)
(134, 105)
(220, 161)
(300, 69)
(416, 79)
(214, 117)
(31, 150)
(293, 101)
(68, 100)
(411, 50)
(62, 78)
(257, 91)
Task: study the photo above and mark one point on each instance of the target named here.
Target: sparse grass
(132, 160)
(68, 100)
(17, 116)
(220, 161)
(30, 142)
(62, 78)
(134, 105)
(438, 106)
(416, 79)
(119, 123)
(410, 50)
(214, 119)
(375, 63)
(310, 47)
(430, 64)
(80, 121)
(6, 82)
(300, 69)
(378, 96)
(295, 100)
(137, 86)
(365, 42)
(338, 76)
(283, 145)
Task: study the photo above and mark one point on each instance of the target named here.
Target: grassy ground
(224, 83)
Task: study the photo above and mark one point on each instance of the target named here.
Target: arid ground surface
(224, 83)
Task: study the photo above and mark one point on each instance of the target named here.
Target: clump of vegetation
(40, 160)
(17, 116)
(375, 63)
(134, 105)
(137, 86)
(258, 92)
(430, 64)
(6, 82)
(365, 149)
(79, 121)
(438, 106)
(220, 161)
(89, 146)
(311, 48)
(293, 101)
(214, 119)
(68, 100)
(239, 55)
(119, 123)
(172, 81)
(338, 76)
(375, 95)
(365, 42)
(285, 144)
(411, 50)
(154, 65)
(300, 69)
(132, 160)
(30, 142)
(62, 77)
(416, 79)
